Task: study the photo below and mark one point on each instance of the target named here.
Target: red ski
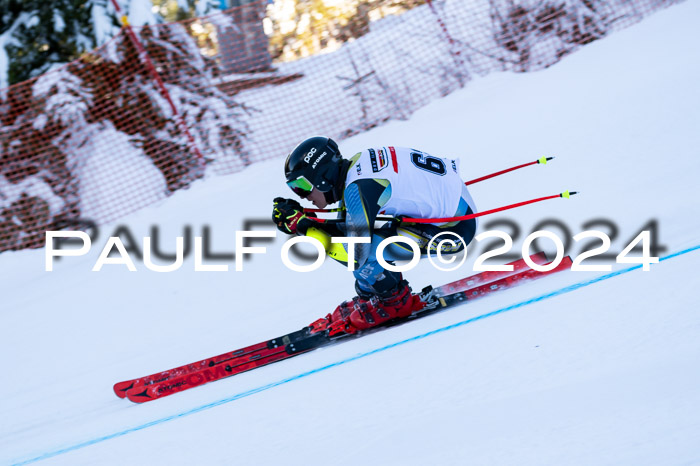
(252, 352)
(539, 258)
(504, 283)
(167, 387)
(192, 375)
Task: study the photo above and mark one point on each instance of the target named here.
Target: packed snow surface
(578, 368)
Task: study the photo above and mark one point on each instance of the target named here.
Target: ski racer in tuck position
(394, 181)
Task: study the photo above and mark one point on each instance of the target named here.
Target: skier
(393, 181)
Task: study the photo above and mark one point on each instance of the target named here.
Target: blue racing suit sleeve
(363, 200)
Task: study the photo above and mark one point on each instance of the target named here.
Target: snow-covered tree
(43, 34)
(538, 34)
(214, 119)
(108, 103)
(207, 125)
(36, 35)
(36, 186)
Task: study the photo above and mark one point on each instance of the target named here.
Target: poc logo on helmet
(307, 157)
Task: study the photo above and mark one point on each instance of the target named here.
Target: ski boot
(367, 311)
(338, 322)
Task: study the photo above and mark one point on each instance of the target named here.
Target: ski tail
(263, 357)
(253, 351)
(121, 388)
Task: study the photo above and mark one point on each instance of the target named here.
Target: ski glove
(289, 216)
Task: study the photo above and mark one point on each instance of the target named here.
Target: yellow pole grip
(335, 251)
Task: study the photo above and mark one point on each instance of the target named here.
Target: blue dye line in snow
(262, 388)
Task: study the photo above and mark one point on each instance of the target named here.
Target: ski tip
(139, 395)
(568, 194)
(120, 388)
(543, 160)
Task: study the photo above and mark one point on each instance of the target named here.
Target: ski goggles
(301, 186)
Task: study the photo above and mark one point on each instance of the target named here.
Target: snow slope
(580, 368)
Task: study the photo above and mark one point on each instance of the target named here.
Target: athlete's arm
(363, 200)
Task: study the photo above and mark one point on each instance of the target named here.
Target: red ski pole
(565, 194)
(542, 160)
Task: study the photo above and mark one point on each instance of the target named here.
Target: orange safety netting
(158, 107)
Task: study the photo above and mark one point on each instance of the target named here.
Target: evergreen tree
(9, 11)
(178, 10)
(45, 34)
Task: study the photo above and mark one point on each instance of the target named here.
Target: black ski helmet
(315, 162)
